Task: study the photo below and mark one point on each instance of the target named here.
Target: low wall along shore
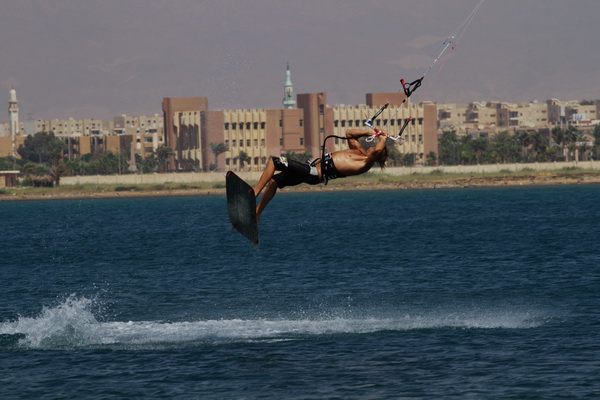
(216, 177)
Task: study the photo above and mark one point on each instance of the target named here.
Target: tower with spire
(288, 96)
(13, 113)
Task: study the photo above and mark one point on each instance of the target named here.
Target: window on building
(262, 142)
(248, 142)
(247, 125)
(226, 125)
(262, 125)
(256, 125)
(343, 123)
(255, 160)
(301, 141)
(233, 126)
(280, 123)
(233, 142)
(321, 109)
(349, 123)
(301, 122)
(281, 141)
(420, 121)
(335, 123)
(255, 142)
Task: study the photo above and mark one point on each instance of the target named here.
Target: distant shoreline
(345, 184)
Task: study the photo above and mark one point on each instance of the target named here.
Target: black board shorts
(293, 173)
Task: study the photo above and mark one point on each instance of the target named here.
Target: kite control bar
(378, 131)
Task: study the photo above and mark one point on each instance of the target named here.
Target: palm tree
(448, 148)
(163, 155)
(244, 158)
(217, 149)
(524, 139)
(29, 170)
(58, 168)
(538, 144)
(596, 148)
(558, 135)
(479, 147)
(571, 138)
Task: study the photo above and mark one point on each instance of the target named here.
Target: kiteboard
(241, 206)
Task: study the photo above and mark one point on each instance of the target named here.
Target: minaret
(13, 113)
(288, 97)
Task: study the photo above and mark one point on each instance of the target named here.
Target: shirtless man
(339, 164)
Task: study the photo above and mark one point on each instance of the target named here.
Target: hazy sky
(102, 58)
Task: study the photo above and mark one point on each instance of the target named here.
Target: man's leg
(265, 177)
(267, 196)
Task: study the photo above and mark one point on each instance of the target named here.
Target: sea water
(483, 293)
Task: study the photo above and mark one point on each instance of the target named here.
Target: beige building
(183, 124)
(485, 119)
(147, 132)
(74, 128)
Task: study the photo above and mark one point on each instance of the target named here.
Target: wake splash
(72, 324)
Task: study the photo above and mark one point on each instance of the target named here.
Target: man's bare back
(352, 162)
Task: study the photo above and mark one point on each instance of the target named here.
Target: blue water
(488, 293)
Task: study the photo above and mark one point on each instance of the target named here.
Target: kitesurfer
(338, 164)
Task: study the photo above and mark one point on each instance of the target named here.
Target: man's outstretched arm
(353, 135)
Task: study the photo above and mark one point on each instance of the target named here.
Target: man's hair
(383, 157)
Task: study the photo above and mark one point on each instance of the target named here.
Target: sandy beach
(355, 183)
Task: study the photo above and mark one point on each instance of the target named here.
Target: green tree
(148, 164)
(244, 158)
(558, 136)
(40, 147)
(163, 157)
(58, 168)
(29, 171)
(449, 148)
(394, 155)
(11, 163)
(409, 159)
(524, 140)
(431, 158)
(596, 148)
(218, 148)
(538, 145)
(505, 147)
(77, 166)
(571, 139)
(105, 164)
(479, 147)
